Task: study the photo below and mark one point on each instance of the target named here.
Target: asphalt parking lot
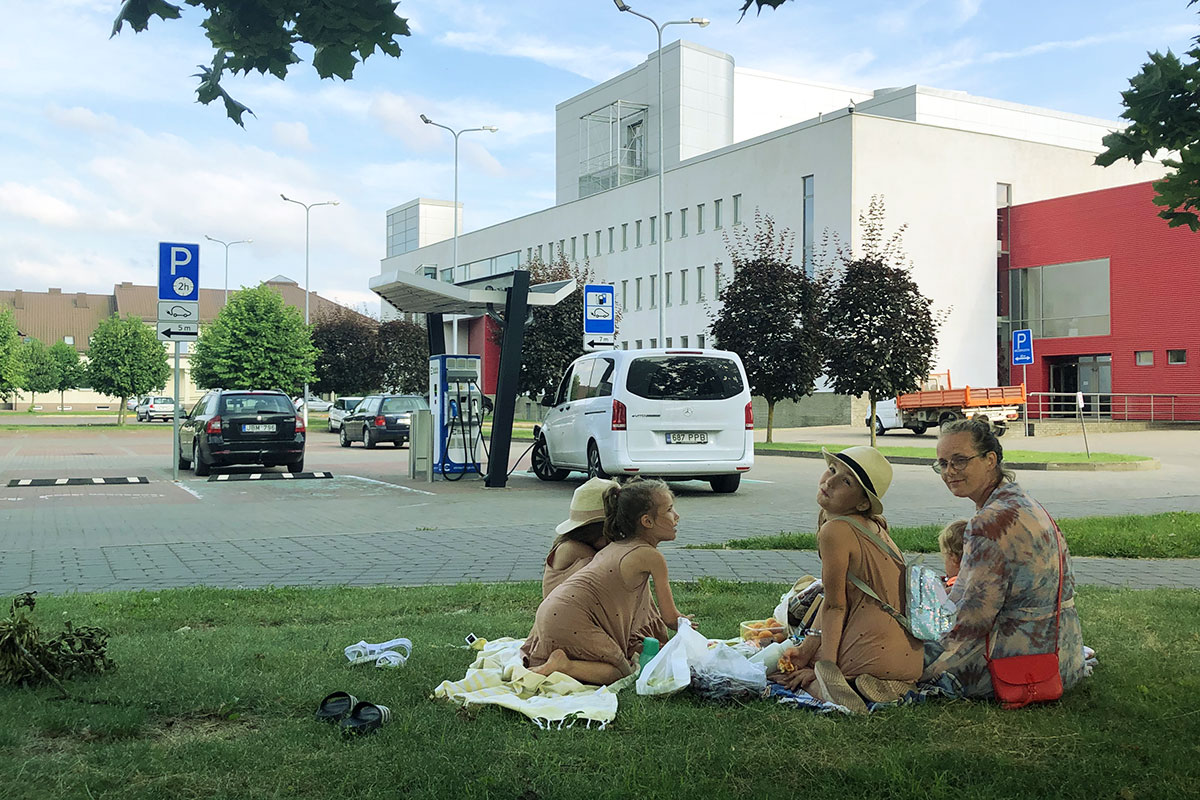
(371, 524)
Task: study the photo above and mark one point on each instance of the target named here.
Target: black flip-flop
(336, 707)
(365, 718)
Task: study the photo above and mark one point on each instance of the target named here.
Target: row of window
(684, 341)
(1145, 358)
(669, 295)
(630, 235)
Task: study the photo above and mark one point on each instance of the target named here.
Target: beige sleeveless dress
(551, 577)
(593, 616)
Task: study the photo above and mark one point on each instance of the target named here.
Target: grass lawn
(1175, 534)
(224, 710)
(1012, 456)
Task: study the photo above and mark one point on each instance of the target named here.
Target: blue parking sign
(1022, 347)
(178, 271)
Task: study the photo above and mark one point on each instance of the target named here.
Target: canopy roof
(419, 294)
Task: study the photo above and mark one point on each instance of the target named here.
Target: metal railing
(1148, 407)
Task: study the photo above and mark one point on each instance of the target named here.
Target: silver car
(155, 407)
(338, 411)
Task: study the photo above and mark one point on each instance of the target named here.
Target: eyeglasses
(958, 463)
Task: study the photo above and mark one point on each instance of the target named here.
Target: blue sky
(104, 153)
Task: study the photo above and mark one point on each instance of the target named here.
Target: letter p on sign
(180, 257)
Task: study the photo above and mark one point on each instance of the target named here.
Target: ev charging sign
(1022, 347)
(599, 316)
(178, 271)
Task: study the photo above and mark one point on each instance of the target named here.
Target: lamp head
(426, 120)
(285, 197)
(206, 236)
(621, 6)
(701, 21)
(490, 128)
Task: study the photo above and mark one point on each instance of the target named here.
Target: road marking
(393, 485)
(190, 491)
(95, 494)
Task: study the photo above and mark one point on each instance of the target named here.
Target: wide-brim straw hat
(587, 505)
(870, 469)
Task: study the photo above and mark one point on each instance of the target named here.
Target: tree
(761, 5)
(880, 331)
(256, 342)
(262, 36)
(40, 370)
(71, 371)
(1163, 105)
(126, 360)
(403, 357)
(10, 356)
(770, 315)
(347, 352)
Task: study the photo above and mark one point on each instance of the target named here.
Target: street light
(662, 220)
(227, 246)
(489, 129)
(307, 207)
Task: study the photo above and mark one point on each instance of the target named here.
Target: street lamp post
(227, 246)
(489, 129)
(662, 220)
(307, 207)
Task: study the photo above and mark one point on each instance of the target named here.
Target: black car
(381, 418)
(229, 426)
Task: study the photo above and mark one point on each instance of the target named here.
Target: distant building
(57, 316)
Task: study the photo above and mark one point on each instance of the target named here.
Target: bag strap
(862, 587)
(1061, 569)
(861, 584)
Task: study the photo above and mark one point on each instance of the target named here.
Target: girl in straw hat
(579, 537)
(859, 639)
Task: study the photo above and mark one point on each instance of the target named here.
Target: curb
(1033, 466)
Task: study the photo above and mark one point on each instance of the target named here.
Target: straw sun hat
(870, 469)
(587, 505)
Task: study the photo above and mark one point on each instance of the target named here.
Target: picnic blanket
(498, 677)
(945, 686)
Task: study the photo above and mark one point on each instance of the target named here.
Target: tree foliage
(880, 331)
(71, 371)
(761, 4)
(10, 356)
(347, 345)
(770, 315)
(403, 354)
(256, 342)
(1163, 107)
(40, 370)
(262, 36)
(126, 360)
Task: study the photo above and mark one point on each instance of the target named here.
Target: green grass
(1175, 534)
(223, 710)
(1013, 456)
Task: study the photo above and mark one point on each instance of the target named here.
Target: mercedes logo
(687, 411)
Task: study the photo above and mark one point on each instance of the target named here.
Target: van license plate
(254, 428)
(688, 437)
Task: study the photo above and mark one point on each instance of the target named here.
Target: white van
(676, 414)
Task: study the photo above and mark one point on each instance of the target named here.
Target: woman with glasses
(1008, 582)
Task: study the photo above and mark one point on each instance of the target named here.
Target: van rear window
(684, 378)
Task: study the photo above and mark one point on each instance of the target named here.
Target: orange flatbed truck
(938, 402)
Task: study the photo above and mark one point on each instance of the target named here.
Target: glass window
(395, 405)
(637, 294)
(683, 287)
(586, 250)
(624, 294)
(683, 341)
(611, 232)
(597, 242)
(653, 231)
(653, 293)
(637, 344)
(602, 375)
(699, 284)
(1177, 356)
(717, 213)
(69, 339)
(637, 233)
(255, 404)
(573, 252)
(720, 278)
(541, 257)
(667, 288)
(737, 209)
(667, 230)
(653, 343)
(668, 341)
(1144, 358)
(562, 247)
(581, 380)
(808, 253)
(700, 218)
(678, 377)
(682, 222)
(1061, 300)
(700, 340)
(624, 235)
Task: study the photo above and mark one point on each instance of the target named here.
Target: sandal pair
(385, 654)
(353, 716)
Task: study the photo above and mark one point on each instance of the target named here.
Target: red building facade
(1112, 295)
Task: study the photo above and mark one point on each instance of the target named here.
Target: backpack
(929, 612)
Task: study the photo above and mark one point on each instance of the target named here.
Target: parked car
(677, 414)
(314, 404)
(132, 403)
(381, 418)
(338, 411)
(155, 407)
(242, 427)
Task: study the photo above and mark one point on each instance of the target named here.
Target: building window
(717, 214)
(625, 345)
(624, 294)
(637, 233)
(667, 288)
(586, 250)
(700, 218)
(637, 343)
(683, 287)
(807, 254)
(611, 232)
(539, 251)
(562, 247)
(720, 279)
(1061, 300)
(668, 342)
(653, 231)
(667, 229)
(69, 339)
(653, 343)
(574, 253)
(448, 275)
(653, 293)
(683, 341)
(699, 284)
(1144, 358)
(737, 209)
(700, 340)
(624, 235)
(1177, 356)
(637, 294)
(682, 222)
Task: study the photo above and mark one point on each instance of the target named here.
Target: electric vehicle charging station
(456, 403)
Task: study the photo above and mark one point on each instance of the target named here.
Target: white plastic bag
(671, 670)
(723, 673)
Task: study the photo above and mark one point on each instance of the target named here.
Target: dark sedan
(242, 427)
(381, 418)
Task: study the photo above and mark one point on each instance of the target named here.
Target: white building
(810, 155)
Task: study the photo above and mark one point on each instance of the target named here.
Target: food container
(764, 631)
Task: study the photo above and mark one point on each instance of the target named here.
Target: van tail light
(750, 416)
(618, 416)
(381, 421)
(300, 424)
(214, 425)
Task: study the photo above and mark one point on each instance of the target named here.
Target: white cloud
(292, 135)
(594, 62)
(37, 205)
(78, 118)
